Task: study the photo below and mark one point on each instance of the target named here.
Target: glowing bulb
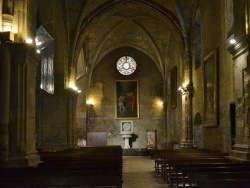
(160, 103)
(38, 43)
(232, 41)
(184, 85)
(71, 85)
(90, 102)
(29, 41)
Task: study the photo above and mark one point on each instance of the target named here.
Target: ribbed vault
(146, 26)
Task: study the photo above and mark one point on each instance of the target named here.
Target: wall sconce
(90, 102)
(185, 88)
(160, 103)
(73, 87)
(90, 105)
(29, 40)
(232, 41)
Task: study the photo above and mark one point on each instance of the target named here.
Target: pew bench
(59, 177)
(193, 177)
(162, 157)
(226, 183)
(190, 172)
(174, 173)
(90, 166)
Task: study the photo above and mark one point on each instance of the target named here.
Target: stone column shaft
(4, 102)
(240, 54)
(187, 134)
(22, 151)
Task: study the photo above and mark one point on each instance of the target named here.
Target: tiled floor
(138, 172)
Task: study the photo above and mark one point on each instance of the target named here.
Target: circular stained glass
(126, 65)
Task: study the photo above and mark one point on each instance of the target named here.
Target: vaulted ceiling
(101, 26)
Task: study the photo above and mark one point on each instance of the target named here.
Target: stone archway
(198, 131)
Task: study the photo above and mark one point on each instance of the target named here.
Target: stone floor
(138, 172)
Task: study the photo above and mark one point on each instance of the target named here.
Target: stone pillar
(90, 115)
(240, 52)
(187, 94)
(72, 99)
(22, 151)
(187, 129)
(7, 15)
(1, 12)
(4, 102)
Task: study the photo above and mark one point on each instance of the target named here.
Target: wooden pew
(174, 174)
(92, 166)
(169, 162)
(227, 183)
(54, 177)
(162, 156)
(194, 177)
(190, 172)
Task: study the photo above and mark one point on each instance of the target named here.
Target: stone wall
(214, 29)
(150, 89)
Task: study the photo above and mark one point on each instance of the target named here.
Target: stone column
(90, 114)
(72, 99)
(187, 129)
(165, 139)
(240, 52)
(7, 14)
(187, 94)
(4, 102)
(22, 151)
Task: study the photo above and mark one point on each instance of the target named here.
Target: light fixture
(73, 87)
(29, 41)
(90, 102)
(232, 41)
(160, 103)
(184, 88)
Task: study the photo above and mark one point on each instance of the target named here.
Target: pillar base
(240, 153)
(27, 161)
(186, 144)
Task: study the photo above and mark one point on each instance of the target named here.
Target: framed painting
(210, 89)
(127, 99)
(173, 75)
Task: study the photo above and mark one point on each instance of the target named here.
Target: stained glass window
(126, 65)
(45, 45)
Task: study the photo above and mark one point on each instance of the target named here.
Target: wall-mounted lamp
(232, 41)
(73, 87)
(90, 106)
(29, 40)
(90, 102)
(160, 103)
(185, 88)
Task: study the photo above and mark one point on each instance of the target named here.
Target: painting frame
(126, 99)
(174, 89)
(210, 90)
